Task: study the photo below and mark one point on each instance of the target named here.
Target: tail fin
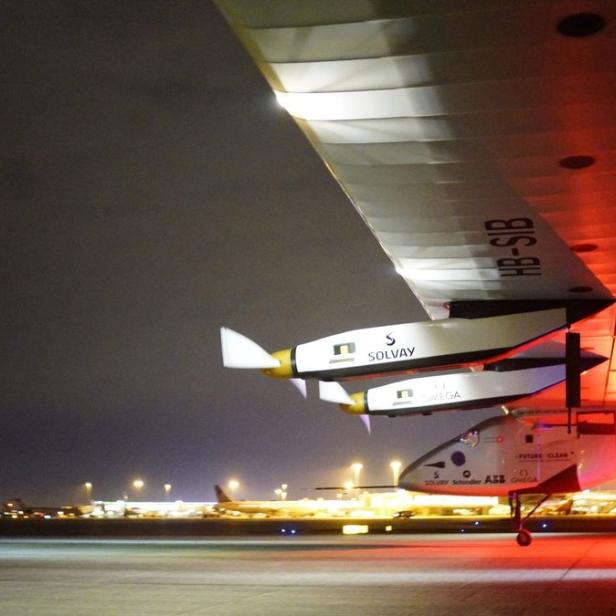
(221, 497)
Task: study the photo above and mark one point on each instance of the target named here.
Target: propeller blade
(330, 391)
(301, 386)
(366, 421)
(241, 352)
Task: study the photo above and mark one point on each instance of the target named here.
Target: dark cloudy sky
(152, 191)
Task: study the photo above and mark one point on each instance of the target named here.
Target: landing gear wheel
(523, 538)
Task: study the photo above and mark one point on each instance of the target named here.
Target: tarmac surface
(483, 574)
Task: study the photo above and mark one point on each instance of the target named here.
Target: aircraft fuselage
(503, 455)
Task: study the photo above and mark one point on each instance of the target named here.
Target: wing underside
(476, 140)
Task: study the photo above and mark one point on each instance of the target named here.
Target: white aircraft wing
(476, 139)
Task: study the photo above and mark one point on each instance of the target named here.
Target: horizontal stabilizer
(238, 351)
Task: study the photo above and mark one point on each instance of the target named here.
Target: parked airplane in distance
(287, 508)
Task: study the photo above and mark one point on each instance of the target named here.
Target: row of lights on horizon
(356, 469)
(137, 485)
(280, 492)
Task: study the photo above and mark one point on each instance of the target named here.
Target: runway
(377, 575)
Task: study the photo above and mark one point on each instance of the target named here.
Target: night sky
(152, 191)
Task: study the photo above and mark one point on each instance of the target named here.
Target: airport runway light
(138, 485)
(395, 466)
(87, 486)
(233, 485)
(167, 487)
(356, 467)
(283, 493)
(278, 493)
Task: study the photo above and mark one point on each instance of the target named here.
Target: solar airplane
(476, 141)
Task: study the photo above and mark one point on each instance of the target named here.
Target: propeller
(238, 351)
(300, 384)
(366, 421)
(330, 391)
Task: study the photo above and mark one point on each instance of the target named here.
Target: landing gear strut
(524, 538)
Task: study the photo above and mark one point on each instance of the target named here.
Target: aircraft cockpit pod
(483, 460)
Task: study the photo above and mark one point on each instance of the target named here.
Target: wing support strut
(573, 364)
